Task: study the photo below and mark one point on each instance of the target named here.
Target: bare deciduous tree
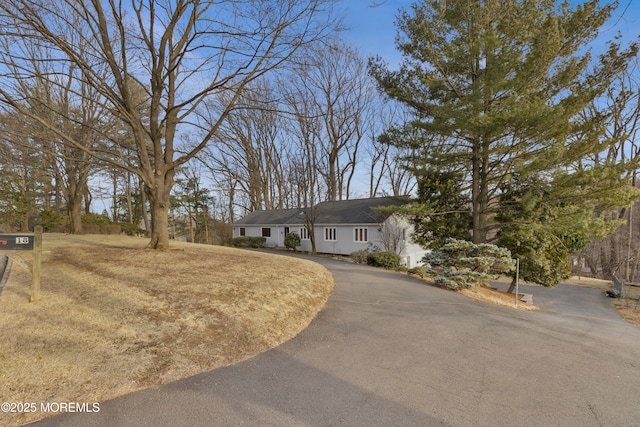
(181, 53)
(250, 148)
(342, 94)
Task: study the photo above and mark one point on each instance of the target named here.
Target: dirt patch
(114, 318)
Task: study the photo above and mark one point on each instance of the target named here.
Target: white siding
(276, 239)
(345, 243)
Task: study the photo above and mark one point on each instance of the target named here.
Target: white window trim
(330, 234)
(364, 235)
(304, 234)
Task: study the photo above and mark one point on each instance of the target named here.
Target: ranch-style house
(340, 227)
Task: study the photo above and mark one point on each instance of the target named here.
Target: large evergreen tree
(441, 211)
(502, 84)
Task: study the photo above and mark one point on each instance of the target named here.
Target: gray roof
(354, 211)
(274, 216)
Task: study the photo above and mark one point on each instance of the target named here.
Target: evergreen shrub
(460, 264)
(387, 260)
(292, 241)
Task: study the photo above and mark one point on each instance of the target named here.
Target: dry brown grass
(494, 296)
(114, 317)
(628, 308)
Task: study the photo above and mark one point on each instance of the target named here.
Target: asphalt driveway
(389, 350)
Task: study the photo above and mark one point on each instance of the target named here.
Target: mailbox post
(33, 242)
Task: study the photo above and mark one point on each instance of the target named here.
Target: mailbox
(16, 242)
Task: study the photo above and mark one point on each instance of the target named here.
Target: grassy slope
(114, 317)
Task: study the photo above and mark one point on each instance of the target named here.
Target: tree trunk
(475, 197)
(206, 231)
(129, 197)
(86, 195)
(232, 192)
(192, 228)
(114, 197)
(59, 191)
(332, 190)
(512, 286)
(160, 210)
(606, 265)
(160, 221)
(312, 237)
(24, 227)
(143, 203)
(75, 213)
(593, 266)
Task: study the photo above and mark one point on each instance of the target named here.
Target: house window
(304, 233)
(242, 231)
(330, 234)
(266, 232)
(286, 231)
(361, 234)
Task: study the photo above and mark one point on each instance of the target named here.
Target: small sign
(14, 242)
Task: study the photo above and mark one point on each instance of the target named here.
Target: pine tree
(502, 85)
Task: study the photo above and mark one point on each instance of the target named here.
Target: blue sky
(372, 28)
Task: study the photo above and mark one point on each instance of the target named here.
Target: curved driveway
(388, 350)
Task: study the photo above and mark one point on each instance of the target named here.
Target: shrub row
(249, 242)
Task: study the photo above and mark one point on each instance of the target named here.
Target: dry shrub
(111, 229)
(91, 228)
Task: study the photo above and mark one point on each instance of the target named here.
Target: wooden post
(37, 259)
(517, 279)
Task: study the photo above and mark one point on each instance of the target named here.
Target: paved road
(389, 350)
